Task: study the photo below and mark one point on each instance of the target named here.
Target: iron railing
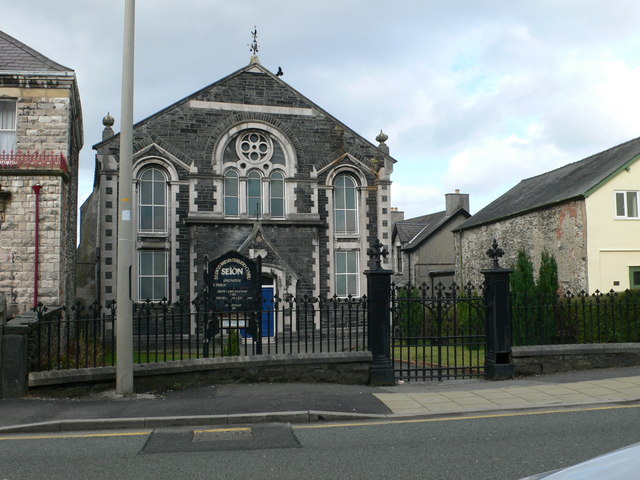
(80, 338)
(612, 317)
(437, 332)
(33, 161)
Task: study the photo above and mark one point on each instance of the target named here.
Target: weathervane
(254, 45)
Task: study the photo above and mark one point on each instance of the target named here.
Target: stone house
(585, 214)
(423, 246)
(40, 140)
(246, 164)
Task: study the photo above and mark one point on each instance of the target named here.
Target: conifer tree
(523, 293)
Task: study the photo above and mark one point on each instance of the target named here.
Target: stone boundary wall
(346, 368)
(540, 359)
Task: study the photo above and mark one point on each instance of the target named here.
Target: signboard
(233, 282)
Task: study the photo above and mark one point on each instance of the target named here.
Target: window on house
(345, 204)
(634, 278)
(8, 117)
(153, 278)
(231, 194)
(276, 194)
(398, 259)
(152, 201)
(347, 273)
(254, 194)
(627, 204)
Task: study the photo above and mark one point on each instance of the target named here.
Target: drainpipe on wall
(36, 188)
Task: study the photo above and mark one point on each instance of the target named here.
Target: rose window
(254, 147)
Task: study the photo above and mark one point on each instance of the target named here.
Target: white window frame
(253, 176)
(153, 206)
(273, 198)
(225, 195)
(345, 211)
(624, 194)
(153, 275)
(347, 274)
(8, 133)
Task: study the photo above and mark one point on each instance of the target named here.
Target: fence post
(14, 354)
(498, 364)
(379, 318)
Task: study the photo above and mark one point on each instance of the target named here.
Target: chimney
(456, 201)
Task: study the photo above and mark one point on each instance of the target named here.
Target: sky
(474, 95)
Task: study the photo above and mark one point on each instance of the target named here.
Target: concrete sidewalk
(243, 403)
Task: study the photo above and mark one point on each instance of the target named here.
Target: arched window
(345, 205)
(231, 193)
(152, 201)
(276, 194)
(254, 194)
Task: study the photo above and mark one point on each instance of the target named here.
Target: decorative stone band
(238, 107)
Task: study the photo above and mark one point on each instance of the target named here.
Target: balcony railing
(33, 161)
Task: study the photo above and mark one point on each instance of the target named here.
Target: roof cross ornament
(376, 251)
(254, 44)
(495, 253)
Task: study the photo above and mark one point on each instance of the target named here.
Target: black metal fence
(438, 332)
(80, 338)
(611, 317)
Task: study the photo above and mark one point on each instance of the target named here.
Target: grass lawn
(451, 355)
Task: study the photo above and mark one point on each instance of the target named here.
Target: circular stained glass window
(254, 147)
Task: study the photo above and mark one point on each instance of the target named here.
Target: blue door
(268, 326)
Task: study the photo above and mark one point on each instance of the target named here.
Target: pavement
(296, 403)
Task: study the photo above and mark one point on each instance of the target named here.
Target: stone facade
(245, 164)
(44, 151)
(560, 229)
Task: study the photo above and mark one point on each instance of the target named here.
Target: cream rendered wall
(613, 245)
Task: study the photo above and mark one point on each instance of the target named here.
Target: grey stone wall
(541, 359)
(347, 368)
(560, 229)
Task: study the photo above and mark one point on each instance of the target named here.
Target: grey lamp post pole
(124, 330)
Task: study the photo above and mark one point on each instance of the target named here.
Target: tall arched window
(276, 194)
(345, 204)
(254, 194)
(231, 193)
(152, 201)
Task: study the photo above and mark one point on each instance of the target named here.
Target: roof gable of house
(415, 231)
(17, 57)
(573, 181)
(277, 96)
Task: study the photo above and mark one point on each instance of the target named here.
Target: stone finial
(381, 138)
(108, 122)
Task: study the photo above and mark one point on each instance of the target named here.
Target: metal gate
(437, 332)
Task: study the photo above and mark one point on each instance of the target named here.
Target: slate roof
(413, 231)
(17, 57)
(571, 182)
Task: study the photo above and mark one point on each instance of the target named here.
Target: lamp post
(124, 328)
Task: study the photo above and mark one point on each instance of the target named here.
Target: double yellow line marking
(330, 425)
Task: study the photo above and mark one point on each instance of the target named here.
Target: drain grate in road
(256, 437)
